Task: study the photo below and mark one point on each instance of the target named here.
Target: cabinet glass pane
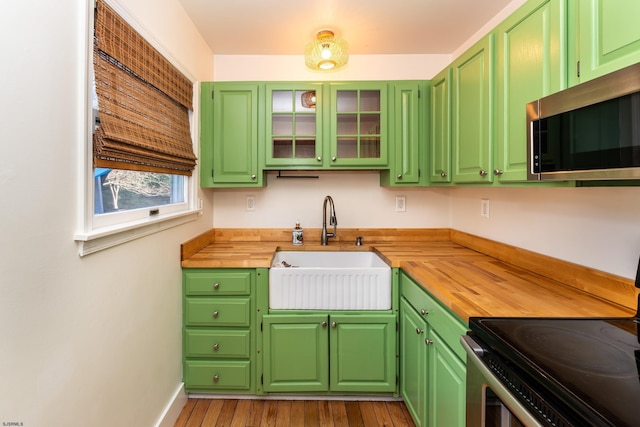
(347, 124)
(281, 101)
(347, 100)
(347, 148)
(305, 125)
(305, 148)
(370, 124)
(370, 100)
(282, 124)
(305, 101)
(370, 148)
(282, 148)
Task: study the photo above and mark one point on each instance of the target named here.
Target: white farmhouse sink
(329, 280)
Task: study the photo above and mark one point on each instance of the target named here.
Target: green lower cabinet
(447, 384)
(218, 338)
(413, 363)
(329, 353)
(432, 367)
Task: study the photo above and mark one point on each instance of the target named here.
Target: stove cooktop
(591, 365)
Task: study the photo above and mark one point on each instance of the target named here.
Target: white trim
(173, 409)
(107, 237)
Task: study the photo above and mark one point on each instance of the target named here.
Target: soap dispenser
(297, 234)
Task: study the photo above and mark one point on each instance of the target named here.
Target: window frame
(95, 234)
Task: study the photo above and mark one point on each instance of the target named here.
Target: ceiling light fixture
(326, 52)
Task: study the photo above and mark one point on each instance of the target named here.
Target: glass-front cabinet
(358, 134)
(294, 127)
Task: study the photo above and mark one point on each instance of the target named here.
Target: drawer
(217, 375)
(218, 312)
(214, 282)
(217, 343)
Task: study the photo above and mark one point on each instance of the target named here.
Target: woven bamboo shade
(143, 102)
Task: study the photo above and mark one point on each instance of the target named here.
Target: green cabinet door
(357, 125)
(604, 36)
(407, 127)
(472, 113)
(296, 353)
(440, 127)
(230, 122)
(447, 384)
(530, 52)
(363, 353)
(293, 125)
(413, 362)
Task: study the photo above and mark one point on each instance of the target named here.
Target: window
(138, 167)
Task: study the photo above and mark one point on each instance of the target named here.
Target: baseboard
(173, 409)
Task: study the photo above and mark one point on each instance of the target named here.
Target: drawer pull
(424, 312)
(216, 378)
(427, 341)
(215, 314)
(419, 331)
(324, 324)
(216, 347)
(216, 285)
(334, 324)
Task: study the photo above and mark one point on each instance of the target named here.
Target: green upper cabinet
(357, 125)
(472, 103)
(530, 52)
(407, 127)
(293, 125)
(604, 36)
(440, 128)
(229, 135)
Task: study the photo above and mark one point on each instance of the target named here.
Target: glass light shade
(326, 52)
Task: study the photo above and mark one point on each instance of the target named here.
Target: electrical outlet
(401, 204)
(484, 208)
(251, 204)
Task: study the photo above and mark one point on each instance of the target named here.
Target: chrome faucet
(332, 220)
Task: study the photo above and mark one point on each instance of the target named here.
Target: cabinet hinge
(578, 68)
(212, 94)
(212, 173)
(262, 379)
(419, 173)
(419, 93)
(260, 326)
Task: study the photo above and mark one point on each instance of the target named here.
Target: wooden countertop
(449, 266)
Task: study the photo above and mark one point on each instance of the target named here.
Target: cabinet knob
(334, 158)
(483, 172)
(319, 158)
(253, 176)
(216, 347)
(216, 378)
(324, 324)
(497, 172)
(215, 314)
(427, 341)
(424, 312)
(443, 174)
(419, 331)
(399, 176)
(334, 324)
(216, 285)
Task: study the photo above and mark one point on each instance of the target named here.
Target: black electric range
(566, 371)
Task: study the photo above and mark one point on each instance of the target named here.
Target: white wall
(359, 200)
(91, 341)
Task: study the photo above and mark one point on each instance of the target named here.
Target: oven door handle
(474, 361)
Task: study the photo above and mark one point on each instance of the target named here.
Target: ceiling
(284, 27)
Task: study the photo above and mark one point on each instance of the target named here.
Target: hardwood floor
(293, 413)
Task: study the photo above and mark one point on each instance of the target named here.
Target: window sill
(107, 237)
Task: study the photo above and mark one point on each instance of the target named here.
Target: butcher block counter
(470, 275)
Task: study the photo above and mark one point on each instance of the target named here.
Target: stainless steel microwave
(588, 132)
